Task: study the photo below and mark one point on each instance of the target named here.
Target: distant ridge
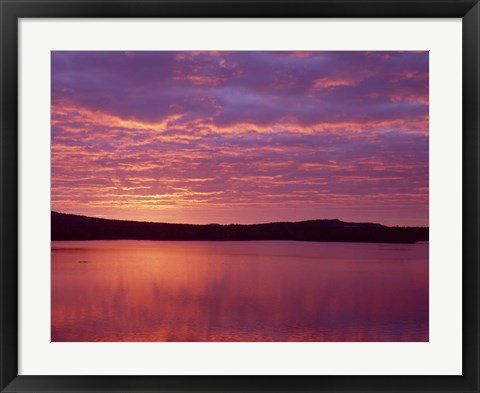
(73, 227)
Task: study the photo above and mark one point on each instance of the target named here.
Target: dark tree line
(73, 227)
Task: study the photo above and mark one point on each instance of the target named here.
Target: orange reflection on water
(239, 291)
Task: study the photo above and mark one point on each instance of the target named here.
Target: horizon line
(259, 223)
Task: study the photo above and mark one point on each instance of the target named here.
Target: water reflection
(239, 291)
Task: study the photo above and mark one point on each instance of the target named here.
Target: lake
(280, 291)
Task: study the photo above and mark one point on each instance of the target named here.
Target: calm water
(239, 291)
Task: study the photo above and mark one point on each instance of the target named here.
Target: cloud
(239, 136)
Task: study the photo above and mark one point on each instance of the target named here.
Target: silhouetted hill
(73, 227)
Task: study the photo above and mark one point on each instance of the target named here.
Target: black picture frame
(13, 10)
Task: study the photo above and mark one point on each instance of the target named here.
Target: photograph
(239, 196)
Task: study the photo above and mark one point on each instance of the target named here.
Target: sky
(241, 137)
